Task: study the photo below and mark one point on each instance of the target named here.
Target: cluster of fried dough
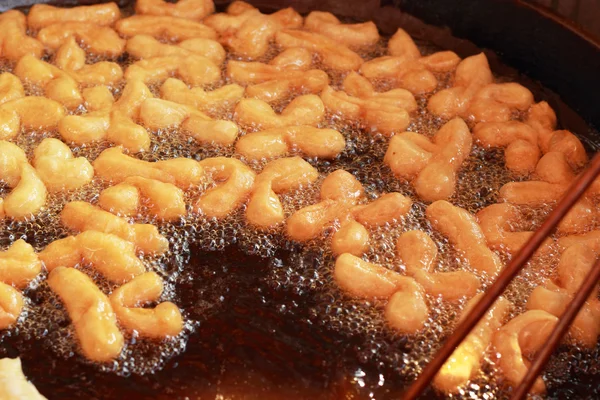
(162, 184)
(288, 73)
(157, 189)
(512, 342)
(407, 311)
(554, 296)
(247, 32)
(109, 244)
(407, 305)
(19, 265)
(385, 113)
(54, 169)
(182, 79)
(170, 41)
(505, 116)
(473, 94)
(552, 176)
(343, 204)
(406, 68)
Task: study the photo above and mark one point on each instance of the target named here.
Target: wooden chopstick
(573, 193)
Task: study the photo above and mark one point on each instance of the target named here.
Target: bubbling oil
(298, 277)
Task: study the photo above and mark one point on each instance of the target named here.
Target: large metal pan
(252, 343)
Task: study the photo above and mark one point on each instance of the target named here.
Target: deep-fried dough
(90, 312)
(431, 165)
(110, 255)
(80, 216)
(264, 208)
(159, 322)
(465, 234)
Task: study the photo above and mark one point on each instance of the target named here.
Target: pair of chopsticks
(572, 195)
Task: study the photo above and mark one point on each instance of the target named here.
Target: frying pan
(254, 341)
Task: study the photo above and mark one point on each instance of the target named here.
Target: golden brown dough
(567, 143)
(463, 231)
(406, 310)
(28, 192)
(11, 88)
(385, 113)
(525, 141)
(523, 335)
(114, 166)
(159, 322)
(553, 175)
(333, 54)
(264, 208)
(58, 169)
(188, 9)
(107, 253)
(30, 113)
(158, 114)
(57, 84)
(289, 60)
(554, 297)
(431, 165)
(303, 110)
(42, 15)
(164, 27)
(497, 222)
(519, 140)
(146, 46)
(407, 68)
(351, 35)
(475, 96)
(72, 59)
(193, 69)
(339, 191)
(111, 121)
(418, 252)
(340, 194)
(160, 200)
(14, 42)
(542, 118)
(80, 216)
(248, 32)
(238, 12)
(365, 280)
(99, 40)
(303, 139)
(591, 239)
(11, 305)
(178, 92)
(97, 98)
(496, 102)
(19, 264)
(234, 181)
(472, 74)
(90, 312)
(287, 74)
